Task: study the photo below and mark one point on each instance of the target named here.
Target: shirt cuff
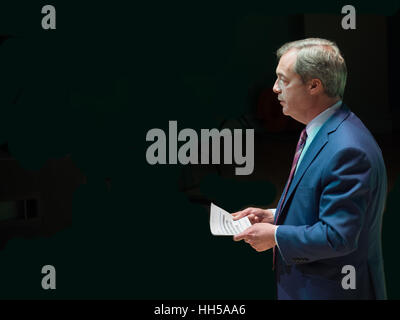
(276, 241)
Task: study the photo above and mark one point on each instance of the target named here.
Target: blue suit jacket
(332, 216)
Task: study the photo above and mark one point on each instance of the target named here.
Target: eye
(282, 82)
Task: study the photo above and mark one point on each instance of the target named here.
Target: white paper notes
(222, 224)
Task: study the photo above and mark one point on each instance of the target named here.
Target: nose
(276, 88)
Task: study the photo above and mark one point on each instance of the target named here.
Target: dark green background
(110, 72)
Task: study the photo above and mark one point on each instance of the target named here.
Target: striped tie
(299, 149)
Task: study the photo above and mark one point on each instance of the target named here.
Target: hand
(255, 215)
(261, 236)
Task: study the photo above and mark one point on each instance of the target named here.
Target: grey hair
(321, 59)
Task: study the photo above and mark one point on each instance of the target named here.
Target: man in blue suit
(326, 230)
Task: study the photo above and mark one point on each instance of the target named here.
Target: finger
(240, 236)
(253, 218)
(240, 214)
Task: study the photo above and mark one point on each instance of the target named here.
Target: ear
(315, 86)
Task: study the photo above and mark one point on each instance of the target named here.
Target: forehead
(286, 63)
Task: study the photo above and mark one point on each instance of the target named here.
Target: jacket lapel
(318, 143)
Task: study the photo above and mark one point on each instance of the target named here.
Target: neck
(319, 106)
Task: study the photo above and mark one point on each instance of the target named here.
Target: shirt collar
(315, 124)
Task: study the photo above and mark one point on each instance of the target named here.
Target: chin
(284, 111)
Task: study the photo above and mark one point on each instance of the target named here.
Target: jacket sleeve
(342, 211)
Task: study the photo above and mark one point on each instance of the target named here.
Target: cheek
(286, 93)
(291, 93)
(283, 91)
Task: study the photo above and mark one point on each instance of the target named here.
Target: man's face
(292, 92)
